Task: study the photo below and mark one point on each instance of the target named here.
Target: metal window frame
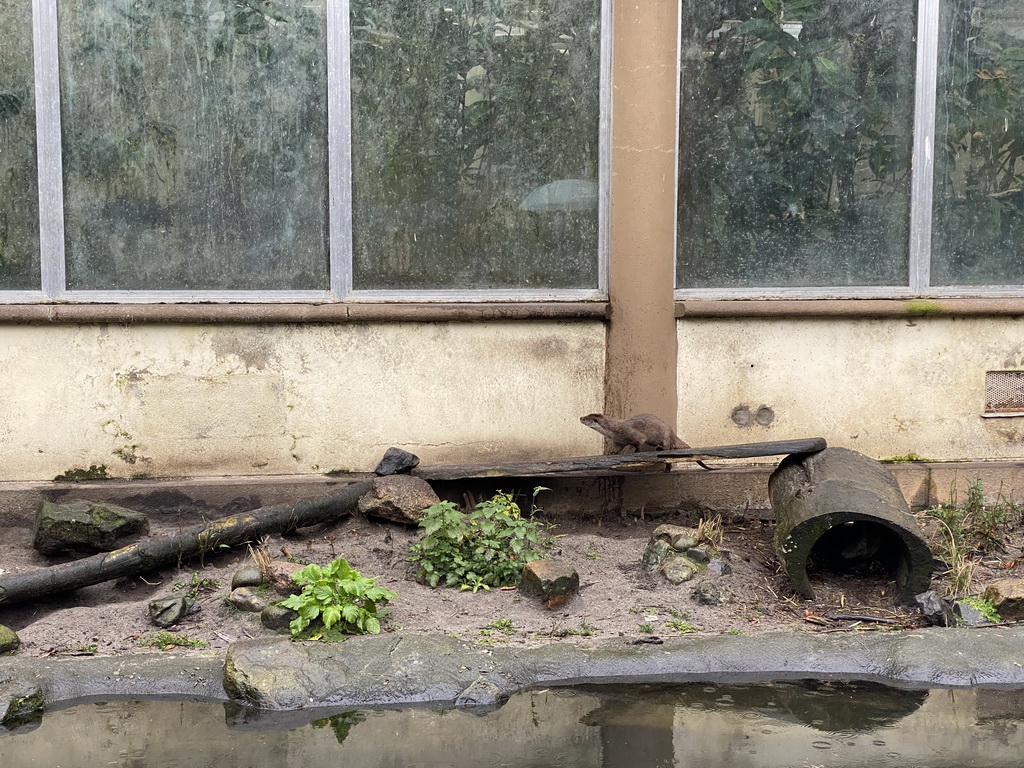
(53, 273)
(921, 186)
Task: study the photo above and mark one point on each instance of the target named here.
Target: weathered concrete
(735, 492)
(389, 670)
(205, 400)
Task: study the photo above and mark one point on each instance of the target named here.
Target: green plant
(486, 547)
(337, 597)
(165, 641)
(984, 607)
(196, 585)
(971, 529)
(593, 555)
(584, 629)
(94, 472)
(645, 629)
(976, 526)
(682, 627)
(502, 625)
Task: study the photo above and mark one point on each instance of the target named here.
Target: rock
(276, 617)
(398, 498)
(1007, 597)
(85, 525)
(656, 553)
(396, 461)
(935, 610)
(168, 611)
(719, 566)
(969, 615)
(679, 568)
(712, 593)
(678, 537)
(698, 555)
(249, 576)
(244, 599)
(481, 697)
(553, 581)
(279, 577)
(21, 701)
(9, 640)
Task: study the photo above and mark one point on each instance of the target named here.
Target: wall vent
(1004, 393)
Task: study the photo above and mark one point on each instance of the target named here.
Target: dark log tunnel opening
(859, 547)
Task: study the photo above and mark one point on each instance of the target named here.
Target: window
(19, 209)
(851, 148)
(288, 150)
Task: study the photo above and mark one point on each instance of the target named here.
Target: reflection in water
(792, 724)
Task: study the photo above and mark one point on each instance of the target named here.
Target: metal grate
(1004, 393)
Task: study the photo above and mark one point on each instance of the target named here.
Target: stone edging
(394, 670)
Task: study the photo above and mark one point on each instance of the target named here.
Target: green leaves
(482, 549)
(339, 598)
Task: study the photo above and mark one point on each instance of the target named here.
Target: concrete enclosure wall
(181, 400)
(885, 387)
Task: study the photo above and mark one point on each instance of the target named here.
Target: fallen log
(159, 551)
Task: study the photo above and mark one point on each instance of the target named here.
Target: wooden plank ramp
(646, 461)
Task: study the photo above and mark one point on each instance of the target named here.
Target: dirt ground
(617, 595)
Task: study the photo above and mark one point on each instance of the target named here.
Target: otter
(641, 429)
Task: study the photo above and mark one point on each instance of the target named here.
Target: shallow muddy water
(751, 726)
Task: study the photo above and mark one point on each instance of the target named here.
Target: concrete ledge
(733, 491)
(395, 670)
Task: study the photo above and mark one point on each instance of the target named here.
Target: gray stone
(553, 581)
(678, 537)
(20, 702)
(679, 568)
(396, 461)
(935, 610)
(249, 576)
(168, 611)
(244, 599)
(398, 498)
(656, 553)
(275, 617)
(1007, 597)
(712, 593)
(719, 566)
(85, 525)
(481, 697)
(9, 640)
(968, 615)
(698, 555)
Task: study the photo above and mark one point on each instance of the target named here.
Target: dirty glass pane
(19, 200)
(978, 230)
(475, 143)
(795, 142)
(195, 144)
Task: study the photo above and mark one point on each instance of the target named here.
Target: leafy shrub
(486, 547)
(338, 597)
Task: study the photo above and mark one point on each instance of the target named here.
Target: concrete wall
(885, 387)
(194, 400)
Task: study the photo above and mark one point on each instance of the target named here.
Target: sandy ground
(617, 595)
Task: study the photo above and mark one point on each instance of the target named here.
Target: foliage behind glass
(978, 232)
(461, 110)
(195, 144)
(19, 196)
(795, 142)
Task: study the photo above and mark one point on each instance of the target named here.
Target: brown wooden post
(641, 351)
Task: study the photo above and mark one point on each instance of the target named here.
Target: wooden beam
(648, 461)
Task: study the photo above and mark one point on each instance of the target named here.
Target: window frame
(921, 197)
(53, 274)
